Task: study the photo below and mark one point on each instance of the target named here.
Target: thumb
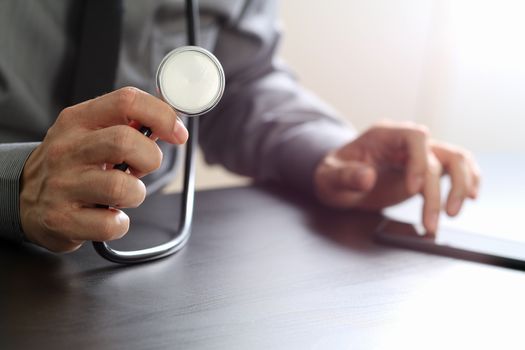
(351, 176)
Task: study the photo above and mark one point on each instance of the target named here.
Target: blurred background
(457, 66)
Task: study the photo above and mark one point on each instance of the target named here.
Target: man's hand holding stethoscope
(70, 170)
(91, 160)
(89, 165)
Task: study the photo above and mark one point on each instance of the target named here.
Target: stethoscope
(191, 80)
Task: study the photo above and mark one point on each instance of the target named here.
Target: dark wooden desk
(263, 270)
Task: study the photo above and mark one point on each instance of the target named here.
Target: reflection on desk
(264, 269)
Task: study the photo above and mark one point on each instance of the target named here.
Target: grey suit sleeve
(12, 159)
(267, 126)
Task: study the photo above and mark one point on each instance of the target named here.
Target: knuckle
(53, 131)
(122, 137)
(125, 98)
(116, 187)
(66, 115)
(68, 110)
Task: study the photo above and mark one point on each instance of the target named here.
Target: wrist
(13, 158)
(303, 154)
(29, 193)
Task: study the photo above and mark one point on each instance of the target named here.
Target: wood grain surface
(264, 269)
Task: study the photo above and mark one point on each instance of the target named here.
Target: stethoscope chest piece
(191, 80)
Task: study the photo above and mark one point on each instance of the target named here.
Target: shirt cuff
(306, 147)
(12, 160)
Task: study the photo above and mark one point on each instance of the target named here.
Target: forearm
(267, 126)
(273, 129)
(12, 159)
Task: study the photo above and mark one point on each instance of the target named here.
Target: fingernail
(180, 131)
(416, 183)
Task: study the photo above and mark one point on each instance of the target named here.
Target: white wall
(480, 101)
(365, 57)
(457, 66)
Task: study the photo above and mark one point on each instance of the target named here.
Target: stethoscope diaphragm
(191, 80)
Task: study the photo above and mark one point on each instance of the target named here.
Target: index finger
(131, 104)
(414, 140)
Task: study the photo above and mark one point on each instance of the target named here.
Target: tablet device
(454, 243)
